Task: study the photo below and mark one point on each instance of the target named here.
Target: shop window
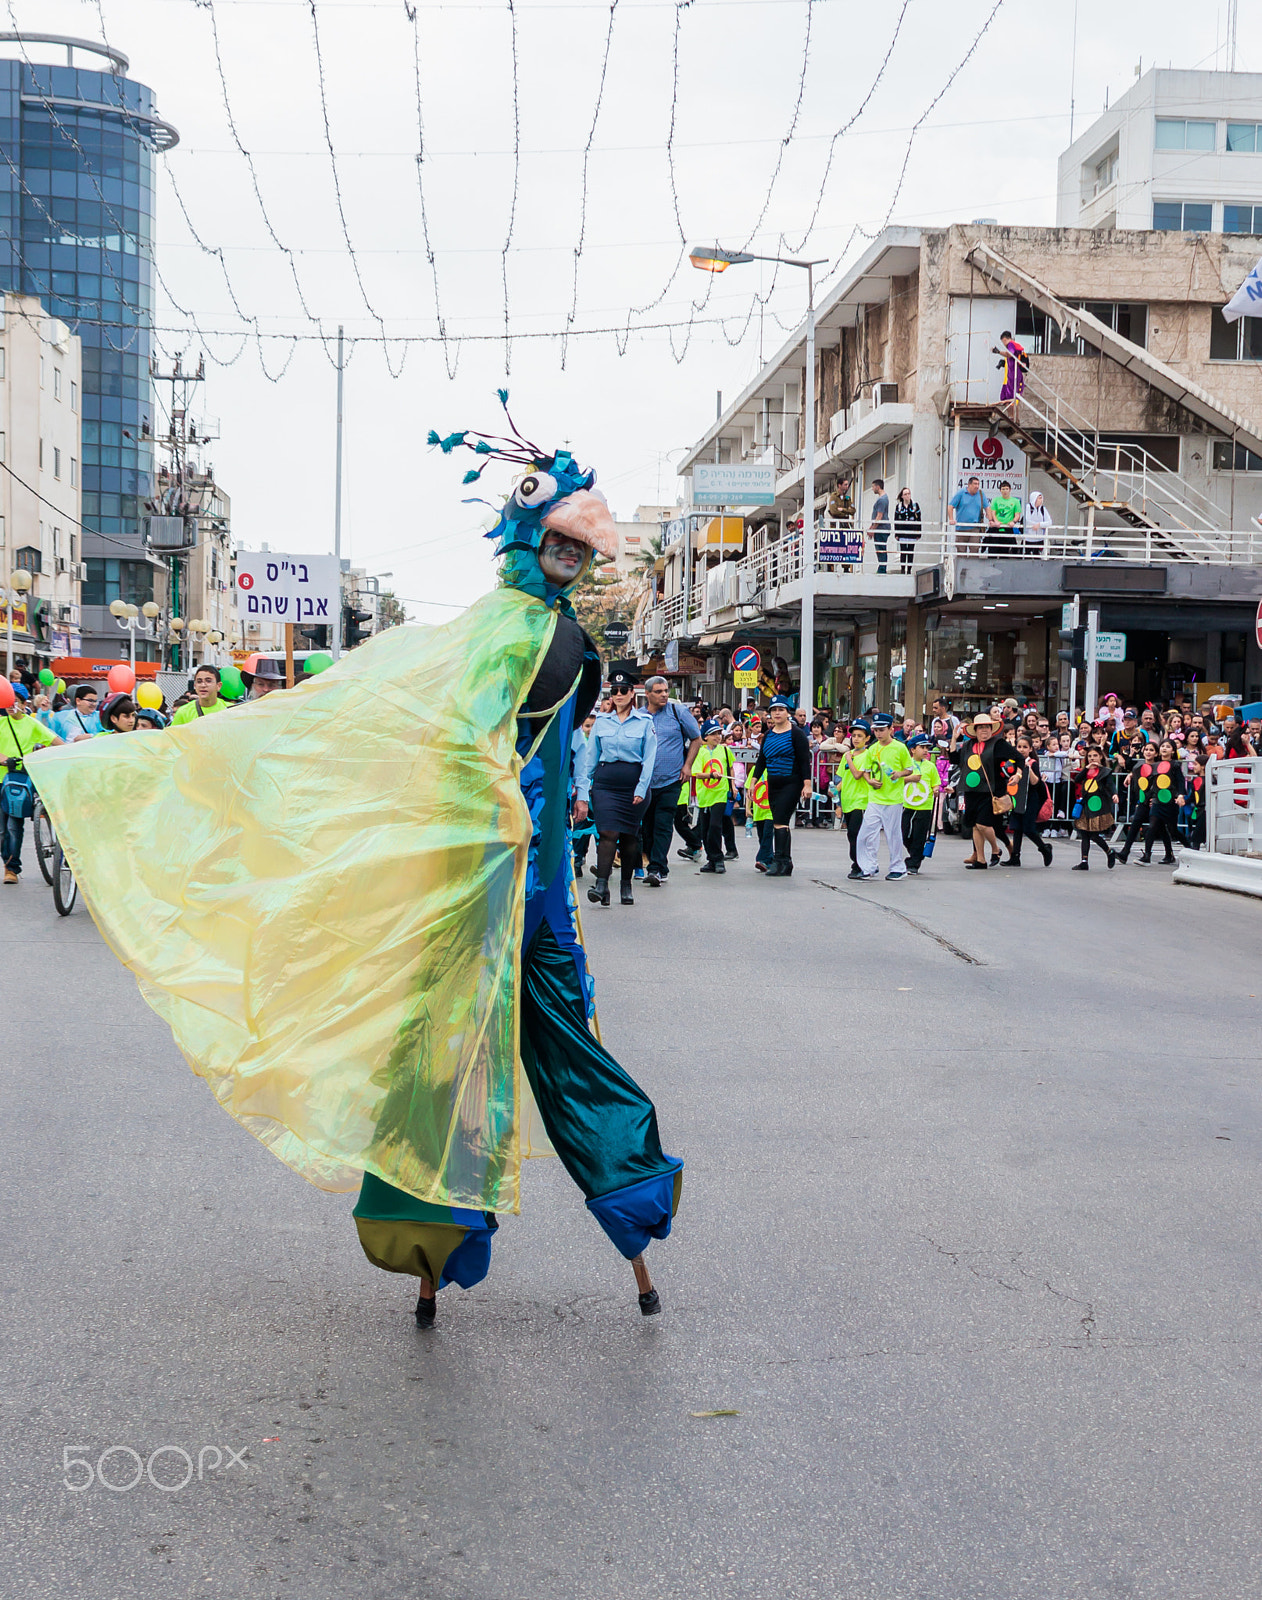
(1235, 341)
(1245, 460)
(1176, 133)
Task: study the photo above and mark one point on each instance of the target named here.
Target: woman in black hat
(616, 768)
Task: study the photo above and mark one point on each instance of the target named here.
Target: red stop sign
(1257, 625)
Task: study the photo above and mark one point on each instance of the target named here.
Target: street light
(713, 258)
(127, 616)
(19, 581)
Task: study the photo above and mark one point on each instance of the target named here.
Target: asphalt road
(968, 1241)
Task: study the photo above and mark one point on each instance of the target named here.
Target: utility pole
(182, 486)
(1073, 672)
(806, 681)
(1093, 627)
(337, 503)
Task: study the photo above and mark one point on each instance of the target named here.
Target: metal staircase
(1123, 480)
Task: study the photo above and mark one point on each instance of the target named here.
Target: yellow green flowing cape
(321, 892)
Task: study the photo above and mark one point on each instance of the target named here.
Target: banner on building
(288, 588)
(840, 546)
(994, 460)
(733, 483)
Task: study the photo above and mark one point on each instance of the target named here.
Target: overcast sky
(495, 176)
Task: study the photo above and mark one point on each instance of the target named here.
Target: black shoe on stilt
(578, 869)
(598, 894)
(624, 894)
(650, 1304)
(1079, 866)
(426, 1311)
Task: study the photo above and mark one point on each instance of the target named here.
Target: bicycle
(65, 889)
(45, 840)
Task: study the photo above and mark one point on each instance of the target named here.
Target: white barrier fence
(1234, 808)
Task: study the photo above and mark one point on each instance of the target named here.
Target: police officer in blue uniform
(612, 776)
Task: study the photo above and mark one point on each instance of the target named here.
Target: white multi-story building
(40, 384)
(1179, 150)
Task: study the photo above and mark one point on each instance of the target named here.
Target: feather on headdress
(555, 493)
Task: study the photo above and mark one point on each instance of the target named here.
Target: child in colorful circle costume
(370, 951)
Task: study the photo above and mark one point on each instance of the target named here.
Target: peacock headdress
(554, 494)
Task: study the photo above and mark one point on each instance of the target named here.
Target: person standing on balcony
(907, 528)
(968, 512)
(879, 528)
(1005, 511)
(1038, 525)
(1015, 364)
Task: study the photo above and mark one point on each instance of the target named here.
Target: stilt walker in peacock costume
(353, 904)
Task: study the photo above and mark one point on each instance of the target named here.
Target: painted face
(561, 558)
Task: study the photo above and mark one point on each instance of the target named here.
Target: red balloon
(7, 694)
(121, 679)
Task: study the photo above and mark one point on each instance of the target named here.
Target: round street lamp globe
(118, 608)
(151, 609)
(21, 581)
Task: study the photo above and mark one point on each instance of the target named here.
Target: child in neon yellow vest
(920, 795)
(712, 775)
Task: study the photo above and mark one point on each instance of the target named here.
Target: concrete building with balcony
(1139, 426)
(1179, 150)
(41, 386)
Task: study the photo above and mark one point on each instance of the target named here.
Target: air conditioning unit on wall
(884, 394)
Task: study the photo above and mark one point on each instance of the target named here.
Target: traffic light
(352, 632)
(1076, 655)
(316, 636)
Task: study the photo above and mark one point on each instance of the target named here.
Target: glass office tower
(78, 153)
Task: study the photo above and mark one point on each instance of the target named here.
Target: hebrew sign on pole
(287, 588)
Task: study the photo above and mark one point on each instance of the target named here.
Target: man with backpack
(678, 740)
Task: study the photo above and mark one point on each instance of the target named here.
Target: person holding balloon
(19, 735)
(207, 698)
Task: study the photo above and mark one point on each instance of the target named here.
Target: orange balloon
(121, 679)
(7, 694)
